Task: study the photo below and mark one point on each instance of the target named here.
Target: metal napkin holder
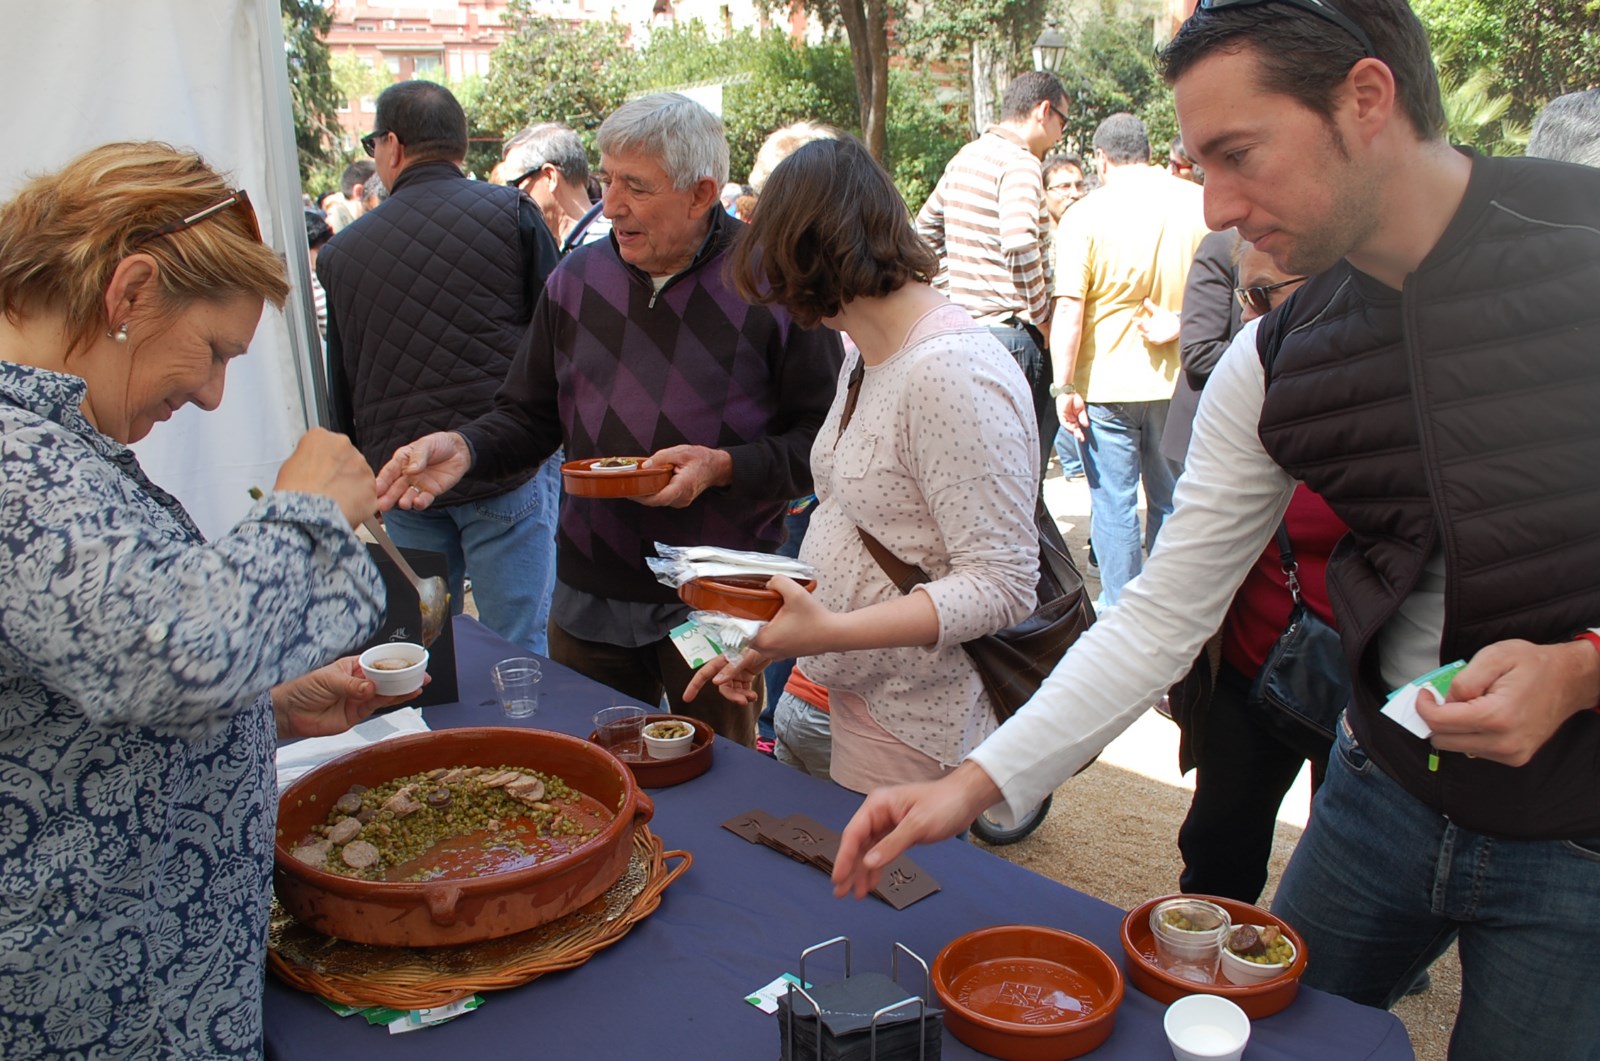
(894, 974)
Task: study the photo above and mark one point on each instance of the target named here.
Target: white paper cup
(378, 665)
(1206, 1028)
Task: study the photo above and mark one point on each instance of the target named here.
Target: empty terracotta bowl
(581, 478)
(1257, 1000)
(742, 596)
(453, 910)
(1027, 993)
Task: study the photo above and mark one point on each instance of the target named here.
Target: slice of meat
(344, 830)
(349, 803)
(313, 854)
(526, 789)
(500, 780)
(358, 854)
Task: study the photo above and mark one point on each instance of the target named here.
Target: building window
(425, 64)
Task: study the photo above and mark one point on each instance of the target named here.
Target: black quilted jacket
(429, 296)
(1463, 412)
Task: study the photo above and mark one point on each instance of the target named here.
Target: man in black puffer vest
(1437, 382)
(428, 299)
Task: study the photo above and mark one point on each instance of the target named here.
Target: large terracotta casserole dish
(453, 911)
(1257, 1000)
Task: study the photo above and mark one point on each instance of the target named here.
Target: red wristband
(1594, 642)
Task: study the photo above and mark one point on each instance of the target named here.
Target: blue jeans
(1067, 453)
(1121, 447)
(1381, 884)
(507, 543)
(777, 672)
(1022, 342)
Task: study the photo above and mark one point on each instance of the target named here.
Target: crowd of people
(1366, 396)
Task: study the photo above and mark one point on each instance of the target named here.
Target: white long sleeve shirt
(1231, 497)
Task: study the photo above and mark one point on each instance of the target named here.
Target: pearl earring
(121, 334)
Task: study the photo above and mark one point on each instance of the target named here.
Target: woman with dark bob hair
(145, 673)
(930, 447)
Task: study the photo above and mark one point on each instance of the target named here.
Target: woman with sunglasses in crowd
(930, 448)
(146, 673)
(1244, 755)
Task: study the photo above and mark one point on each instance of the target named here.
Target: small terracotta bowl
(1026, 993)
(580, 478)
(742, 596)
(379, 665)
(1257, 1000)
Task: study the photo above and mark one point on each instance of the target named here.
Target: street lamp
(1049, 49)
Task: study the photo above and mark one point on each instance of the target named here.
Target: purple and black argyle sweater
(612, 367)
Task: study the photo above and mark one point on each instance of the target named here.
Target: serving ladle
(432, 592)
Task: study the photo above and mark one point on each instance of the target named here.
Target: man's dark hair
(1306, 57)
(1060, 160)
(426, 117)
(1027, 91)
(358, 172)
(1124, 139)
(830, 227)
(317, 230)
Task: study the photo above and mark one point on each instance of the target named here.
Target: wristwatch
(1060, 389)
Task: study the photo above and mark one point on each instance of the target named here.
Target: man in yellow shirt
(1122, 256)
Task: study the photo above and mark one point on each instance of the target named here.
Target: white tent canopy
(207, 75)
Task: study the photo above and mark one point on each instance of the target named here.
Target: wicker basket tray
(416, 977)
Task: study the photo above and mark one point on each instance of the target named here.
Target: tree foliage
(923, 134)
(768, 81)
(1110, 67)
(1535, 51)
(551, 71)
(313, 98)
(995, 37)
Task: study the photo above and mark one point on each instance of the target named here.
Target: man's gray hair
(547, 144)
(683, 137)
(1568, 129)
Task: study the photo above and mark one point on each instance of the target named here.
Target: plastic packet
(675, 565)
(732, 633)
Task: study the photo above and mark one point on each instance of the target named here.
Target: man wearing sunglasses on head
(1435, 381)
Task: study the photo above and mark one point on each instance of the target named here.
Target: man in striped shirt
(988, 224)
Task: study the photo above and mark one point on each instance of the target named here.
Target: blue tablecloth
(674, 987)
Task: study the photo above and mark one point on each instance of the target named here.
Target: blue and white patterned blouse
(137, 797)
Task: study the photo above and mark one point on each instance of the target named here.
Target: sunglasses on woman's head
(1326, 12)
(1260, 298)
(239, 202)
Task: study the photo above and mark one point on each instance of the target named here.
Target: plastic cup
(1206, 1028)
(1189, 953)
(516, 680)
(620, 731)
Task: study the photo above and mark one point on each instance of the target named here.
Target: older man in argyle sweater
(639, 346)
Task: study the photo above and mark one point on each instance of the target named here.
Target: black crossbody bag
(1012, 662)
(1305, 677)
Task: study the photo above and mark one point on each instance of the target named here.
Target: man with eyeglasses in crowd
(428, 301)
(987, 222)
(1435, 382)
(548, 162)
